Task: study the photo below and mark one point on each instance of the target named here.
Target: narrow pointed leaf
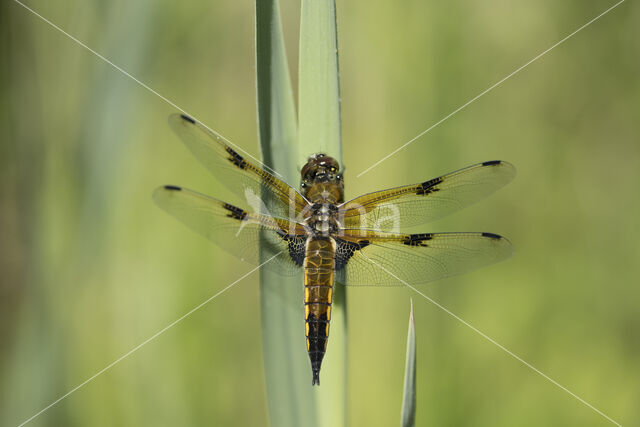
(409, 396)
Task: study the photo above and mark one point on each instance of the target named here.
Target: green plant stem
(319, 88)
(290, 398)
(319, 131)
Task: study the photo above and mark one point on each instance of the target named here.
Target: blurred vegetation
(91, 268)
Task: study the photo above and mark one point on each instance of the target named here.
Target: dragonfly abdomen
(319, 266)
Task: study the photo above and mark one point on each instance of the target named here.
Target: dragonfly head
(321, 168)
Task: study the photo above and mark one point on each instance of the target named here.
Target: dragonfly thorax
(322, 220)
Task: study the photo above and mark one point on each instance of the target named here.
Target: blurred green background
(91, 267)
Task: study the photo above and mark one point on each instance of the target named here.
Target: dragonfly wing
(366, 257)
(241, 176)
(409, 205)
(235, 230)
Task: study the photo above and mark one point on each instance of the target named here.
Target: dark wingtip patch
(491, 163)
(172, 188)
(492, 236)
(187, 118)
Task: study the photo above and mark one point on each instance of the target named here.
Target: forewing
(365, 257)
(235, 230)
(396, 208)
(247, 180)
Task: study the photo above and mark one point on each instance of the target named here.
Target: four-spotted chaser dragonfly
(354, 243)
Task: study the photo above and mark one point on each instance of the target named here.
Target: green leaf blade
(320, 131)
(319, 87)
(276, 109)
(290, 398)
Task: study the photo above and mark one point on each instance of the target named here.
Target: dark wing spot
(428, 187)
(172, 188)
(236, 158)
(363, 243)
(234, 212)
(346, 249)
(187, 118)
(296, 245)
(491, 163)
(492, 236)
(417, 239)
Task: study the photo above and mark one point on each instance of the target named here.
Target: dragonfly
(314, 231)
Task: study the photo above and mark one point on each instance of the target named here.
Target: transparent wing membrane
(235, 230)
(373, 258)
(406, 206)
(250, 182)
